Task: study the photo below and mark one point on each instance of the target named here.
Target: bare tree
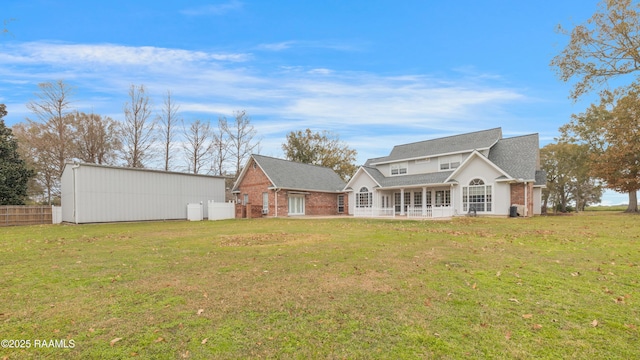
(137, 130)
(197, 146)
(167, 123)
(52, 105)
(241, 139)
(220, 147)
(97, 138)
(36, 147)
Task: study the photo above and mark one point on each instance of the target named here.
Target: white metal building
(97, 193)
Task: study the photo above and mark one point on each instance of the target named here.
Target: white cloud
(64, 54)
(359, 106)
(284, 45)
(213, 9)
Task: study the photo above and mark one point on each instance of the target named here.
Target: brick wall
(255, 183)
(517, 196)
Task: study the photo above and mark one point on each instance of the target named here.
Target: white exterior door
(296, 204)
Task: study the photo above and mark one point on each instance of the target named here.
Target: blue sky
(378, 73)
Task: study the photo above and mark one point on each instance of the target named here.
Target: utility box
(194, 212)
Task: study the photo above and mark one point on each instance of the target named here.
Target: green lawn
(548, 287)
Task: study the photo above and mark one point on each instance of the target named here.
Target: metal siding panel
(66, 192)
(113, 194)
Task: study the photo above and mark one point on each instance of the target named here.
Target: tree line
(57, 133)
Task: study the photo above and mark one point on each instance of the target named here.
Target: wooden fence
(12, 215)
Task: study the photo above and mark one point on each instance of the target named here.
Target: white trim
(485, 184)
(432, 155)
(297, 197)
(441, 158)
(399, 167)
(468, 160)
(356, 175)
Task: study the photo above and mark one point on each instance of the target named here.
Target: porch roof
(434, 178)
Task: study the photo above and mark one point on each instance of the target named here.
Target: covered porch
(426, 202)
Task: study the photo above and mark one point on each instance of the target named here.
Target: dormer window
(399, 168)
(450, 162)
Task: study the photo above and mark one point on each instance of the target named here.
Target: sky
(376, 73)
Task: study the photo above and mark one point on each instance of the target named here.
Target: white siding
(108, 194)
(361, 179)
(480, 169)
(66, 194)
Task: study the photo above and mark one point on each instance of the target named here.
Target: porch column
(424, 200)
(453, 203)
(401, 202)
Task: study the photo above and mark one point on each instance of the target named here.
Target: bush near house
(543, 287)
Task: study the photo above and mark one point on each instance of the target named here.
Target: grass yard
(548, 287)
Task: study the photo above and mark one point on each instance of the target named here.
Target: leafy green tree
(321, 148)
(14, 174)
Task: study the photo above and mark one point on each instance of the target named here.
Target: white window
(443, 198)
(399, 168)
(265, 201)
(364, 198)
(296, 204)
(340, 204)
(246, 199)
(417, 199)
(450, 162)
(477, 196)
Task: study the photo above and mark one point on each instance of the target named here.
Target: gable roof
(292, 175)
(517, 156)
(475, 154)
(446, 145)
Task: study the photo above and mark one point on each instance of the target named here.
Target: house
(478, 173)
(274, 187)
(94, 193)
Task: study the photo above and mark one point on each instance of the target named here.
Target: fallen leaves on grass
(527, 316)
(204, 341)
(114, 341)
(537, 326)
(594, 323)
(508, 335)
(200, 311)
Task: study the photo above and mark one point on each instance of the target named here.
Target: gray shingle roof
(517, 156)
(408, 180)
(541, 177)
(450, 144)
(298, 176)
